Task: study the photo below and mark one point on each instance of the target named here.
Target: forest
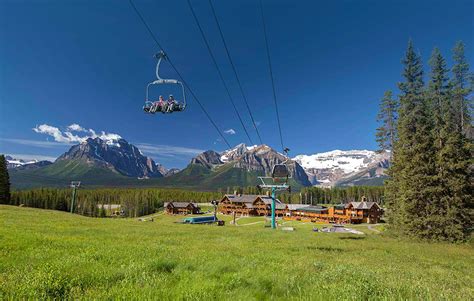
(428, 130)
(134, 202)
(140, 201)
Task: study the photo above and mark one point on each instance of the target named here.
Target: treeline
(134, 202)
(338, 195)
(428, 130)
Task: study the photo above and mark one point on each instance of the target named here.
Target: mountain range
(345, 168)
(99, 162)
(20, 164)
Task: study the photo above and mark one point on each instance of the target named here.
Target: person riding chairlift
(171, 103)
(159, 105)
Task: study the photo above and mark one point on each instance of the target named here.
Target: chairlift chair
(280, 173)
(149, 106)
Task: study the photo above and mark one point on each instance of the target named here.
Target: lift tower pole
(273, 208)
(74, 185)
(273, 187)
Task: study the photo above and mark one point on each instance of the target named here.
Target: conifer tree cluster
(90, 202)
(430, 192)
(4, 181)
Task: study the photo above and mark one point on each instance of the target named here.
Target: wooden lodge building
(353, 212)
(182, 208)
(250, 205)
(260, 205)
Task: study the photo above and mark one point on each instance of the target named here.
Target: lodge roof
(180, 204)
(313, 209)
(280, 206)
(248, 198)
(362, 205)
(293, 207)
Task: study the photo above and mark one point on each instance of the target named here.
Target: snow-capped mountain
(258, 159)
(117, 155)
(13, 163)
(332, 168)
(236, 152)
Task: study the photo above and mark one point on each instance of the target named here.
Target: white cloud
(76, 127)
(51, 131)
(230, 132)
(68, 137)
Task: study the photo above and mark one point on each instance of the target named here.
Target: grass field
(50, 254)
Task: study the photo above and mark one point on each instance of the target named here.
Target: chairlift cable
(271, 76)
(153, 36)
(218, 70)
(234, 70)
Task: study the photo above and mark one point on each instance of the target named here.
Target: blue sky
(87, 63)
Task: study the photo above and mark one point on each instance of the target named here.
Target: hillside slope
(165, 260)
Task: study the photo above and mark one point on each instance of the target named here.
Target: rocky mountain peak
(117, 154)
(257, 158)
(209, 159)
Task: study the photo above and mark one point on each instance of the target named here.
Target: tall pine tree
(4, 181)
(412, 185)
(387, 117)
(449, 216)
(462, 86)
(437, 89)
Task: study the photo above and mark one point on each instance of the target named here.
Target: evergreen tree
(437, 90)
(449, 216)
(455, 203)
(386, 133)
(413, 173)
(4, 181)
(462, 85)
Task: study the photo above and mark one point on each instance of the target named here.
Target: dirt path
(370, 227)
(251, 223)
(236, 221)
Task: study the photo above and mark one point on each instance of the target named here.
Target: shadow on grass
(353, 237)
(326, 249)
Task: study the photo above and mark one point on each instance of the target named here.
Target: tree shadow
(352, 237)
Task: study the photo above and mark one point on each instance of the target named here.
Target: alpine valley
(96, 162)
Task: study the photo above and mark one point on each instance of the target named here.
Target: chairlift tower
(277, 182)
(74, 185)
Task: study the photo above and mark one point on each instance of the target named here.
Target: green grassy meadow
(52, 254)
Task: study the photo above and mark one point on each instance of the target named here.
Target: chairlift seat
(178, 106)
(280, 171)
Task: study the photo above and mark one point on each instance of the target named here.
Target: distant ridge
(113, 163)
(345, 168)
(239, 166)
